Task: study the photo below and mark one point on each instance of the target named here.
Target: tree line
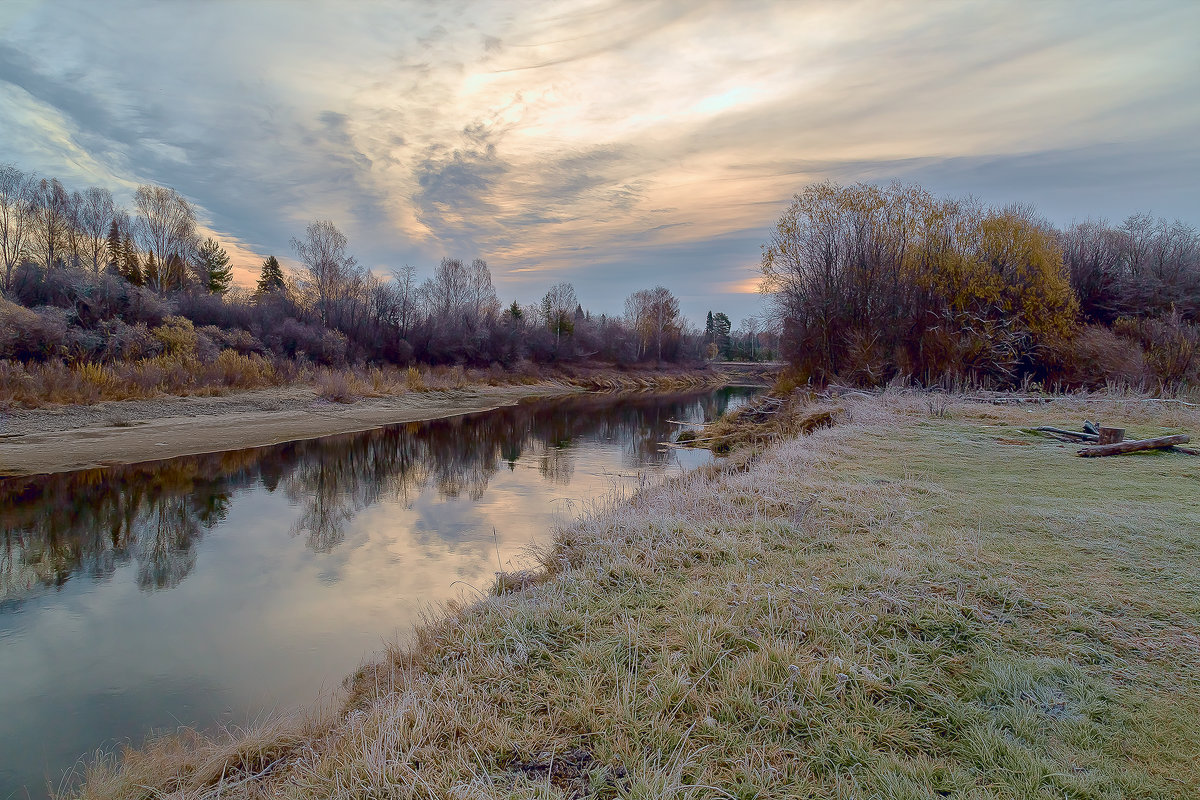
(87, 280)
(753, 340)
(871, 283)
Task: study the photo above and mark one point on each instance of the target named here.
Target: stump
(1110, 435)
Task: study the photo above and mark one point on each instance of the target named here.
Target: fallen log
(1082, 437)
(1134, 446)
(1191, 451)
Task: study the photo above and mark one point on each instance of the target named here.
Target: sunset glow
(575, 141)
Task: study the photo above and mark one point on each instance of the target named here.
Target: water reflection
(177, 591)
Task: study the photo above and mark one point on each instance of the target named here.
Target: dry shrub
(413, 379)
(1098, 357)
(336, 386)
(177, 335)
(243, 372)
(1171, 345)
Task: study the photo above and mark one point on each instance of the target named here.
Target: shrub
(1098, 357)
(178, 336)
(239, 371)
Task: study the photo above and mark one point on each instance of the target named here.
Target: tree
(166, 224)
(112, 246)
(720, 333)
(558, 306)
(270, 278)
(16, 196)
(212, 267)
(49, 206)
(150, 276)
(654, 316)
(331, 270)
(131, 267)
(405, 279)
(96, 215)
(870, 282)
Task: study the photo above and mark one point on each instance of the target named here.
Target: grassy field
(922, 601)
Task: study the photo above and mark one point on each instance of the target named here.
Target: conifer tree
(113, 247)
(271, 277)
(150, 273)
(131, 267)
(215, 274)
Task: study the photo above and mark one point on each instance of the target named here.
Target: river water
(214, 589)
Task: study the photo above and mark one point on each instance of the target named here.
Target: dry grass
(901, 606)
(178, 372)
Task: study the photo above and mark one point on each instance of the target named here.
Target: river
(211, 590)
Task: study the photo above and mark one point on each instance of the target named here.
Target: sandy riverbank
(77, 437)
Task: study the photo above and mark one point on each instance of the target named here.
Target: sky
(615, 144)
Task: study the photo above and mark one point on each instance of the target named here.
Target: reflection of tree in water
(163, 546)
(93, 521)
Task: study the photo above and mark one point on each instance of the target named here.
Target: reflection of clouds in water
(253, 612)
(55, 527)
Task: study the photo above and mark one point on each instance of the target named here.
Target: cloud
(589, 140)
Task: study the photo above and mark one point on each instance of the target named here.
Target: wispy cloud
(612, 143)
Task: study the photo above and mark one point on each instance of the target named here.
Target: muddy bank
(125, 432)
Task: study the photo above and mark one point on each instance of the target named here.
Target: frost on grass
(899, 606)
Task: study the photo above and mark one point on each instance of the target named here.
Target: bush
(1098, 357)
(178, 336)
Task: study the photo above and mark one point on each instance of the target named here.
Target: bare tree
(654, 315)
(445, 294)
(16, 194)
(167, 228)
(405, 280)
(558, 307)
(49, 205)
(331, 271)
(96, 214)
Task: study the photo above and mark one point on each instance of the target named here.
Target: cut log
(1191, 451)
(1135, 446)
(1110, 435)
(1076, 435)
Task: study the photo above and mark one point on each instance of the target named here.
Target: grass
(905, 605)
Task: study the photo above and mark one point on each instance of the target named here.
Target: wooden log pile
(1106, 441)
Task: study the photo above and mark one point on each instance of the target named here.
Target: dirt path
(126, 432)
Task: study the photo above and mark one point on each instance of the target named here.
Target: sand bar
(48, 440)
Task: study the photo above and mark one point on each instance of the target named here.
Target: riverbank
(923, 600)
(57, 439)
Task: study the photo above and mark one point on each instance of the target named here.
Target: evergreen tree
(150, 273)
(113, 247)
(131, 267)
(720, 333)
(271, 277)
(213, 269)
(708, 328)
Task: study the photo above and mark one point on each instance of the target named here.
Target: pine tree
(708, 328)
(114, 247)
(150, 273)
(131, 267)
(215, 274)
(271, 277)
(721, 338)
